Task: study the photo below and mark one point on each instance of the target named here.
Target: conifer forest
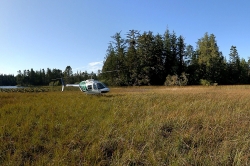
(152, 59)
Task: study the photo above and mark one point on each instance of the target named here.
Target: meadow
(191, 125)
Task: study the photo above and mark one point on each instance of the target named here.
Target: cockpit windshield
(100, 86)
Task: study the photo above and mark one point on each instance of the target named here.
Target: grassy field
(128, 126)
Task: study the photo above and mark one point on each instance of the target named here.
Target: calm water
(10, 87)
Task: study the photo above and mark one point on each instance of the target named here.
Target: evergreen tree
(132, 57)
(19, 78)
(174, 54)
(145, 55)
(244, 72)
(234, 66)
(120, 54)
(49, 76)
(43, 76)
(192, 65)
(191, 56)
(210, 59)
(167, 55)
(180, 55)
(68, 75)
(110, 64)
(32, 77)
(157, 62)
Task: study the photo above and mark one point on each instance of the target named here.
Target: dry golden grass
(128, 126)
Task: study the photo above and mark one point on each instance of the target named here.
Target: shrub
(204, 82)
(176, 80)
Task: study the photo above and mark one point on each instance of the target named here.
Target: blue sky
(43, 34)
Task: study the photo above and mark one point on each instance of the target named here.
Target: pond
(10, 87)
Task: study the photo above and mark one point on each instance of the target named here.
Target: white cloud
(95, 66)
(79, 68)
(91, 67)
(96, 63)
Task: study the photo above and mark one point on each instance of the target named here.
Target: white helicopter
(89, 86)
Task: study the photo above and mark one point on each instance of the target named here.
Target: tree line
(148, 59)
(7, 80)
(44, 77)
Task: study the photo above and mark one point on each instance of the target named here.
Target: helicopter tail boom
(74, 85)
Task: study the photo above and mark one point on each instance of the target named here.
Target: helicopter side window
(89, 87)
(94, 86)
(100, 86)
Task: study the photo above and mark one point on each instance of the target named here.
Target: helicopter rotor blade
(110, 71)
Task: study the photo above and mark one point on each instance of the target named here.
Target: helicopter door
(95, 86)
(89, 87)
(92, 89)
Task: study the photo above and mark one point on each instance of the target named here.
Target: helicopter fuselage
(91, 86)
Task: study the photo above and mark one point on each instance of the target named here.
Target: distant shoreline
(10, 87)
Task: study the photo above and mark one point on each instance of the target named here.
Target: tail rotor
(62, 82)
